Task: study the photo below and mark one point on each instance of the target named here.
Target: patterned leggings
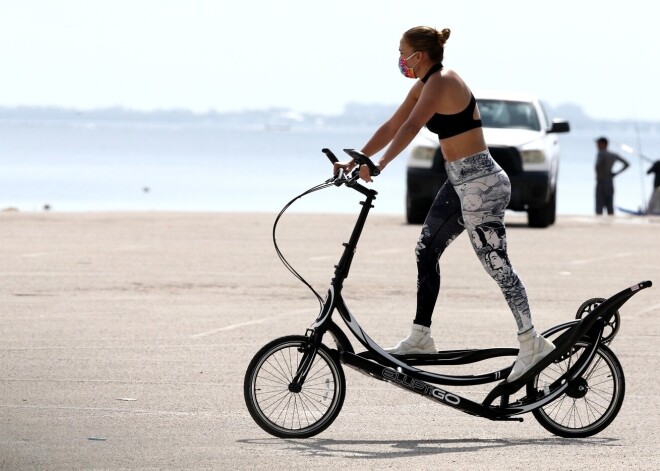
(474, 197)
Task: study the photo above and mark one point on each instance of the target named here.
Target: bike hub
(295, 388)
(578, 388)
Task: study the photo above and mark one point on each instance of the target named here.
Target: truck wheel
(553, 207)
(543, 216)
(416, 210)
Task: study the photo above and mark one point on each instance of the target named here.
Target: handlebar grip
(362, 159)
(333, 159)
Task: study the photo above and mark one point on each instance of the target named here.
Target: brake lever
(339, 178)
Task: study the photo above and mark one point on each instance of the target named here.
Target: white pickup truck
(522, 141)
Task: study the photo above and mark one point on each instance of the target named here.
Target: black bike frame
(379, 364)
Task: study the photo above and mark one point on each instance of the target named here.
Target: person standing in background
(654, 203)
(605, 161)
(655, 168)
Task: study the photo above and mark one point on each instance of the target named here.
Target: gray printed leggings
(474, 197)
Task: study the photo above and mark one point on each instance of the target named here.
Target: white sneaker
(533, 348)
(419, 341)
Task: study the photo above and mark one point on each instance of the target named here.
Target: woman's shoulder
(449, 80)
(450, 74)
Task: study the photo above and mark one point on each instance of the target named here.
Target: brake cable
(322, 186)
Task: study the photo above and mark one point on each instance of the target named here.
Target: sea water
(70, 165)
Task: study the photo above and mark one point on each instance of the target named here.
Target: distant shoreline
(354, 113)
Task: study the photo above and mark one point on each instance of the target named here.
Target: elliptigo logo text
(417, 385)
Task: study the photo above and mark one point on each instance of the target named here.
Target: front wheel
(591, 402)
(284, 409)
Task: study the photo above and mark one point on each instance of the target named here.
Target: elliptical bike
(295, 386)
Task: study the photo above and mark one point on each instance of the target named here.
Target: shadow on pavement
(388, 449)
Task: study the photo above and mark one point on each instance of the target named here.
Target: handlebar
(333, 159)
(350, 180)
(356, 155)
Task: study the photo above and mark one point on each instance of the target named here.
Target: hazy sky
(316, 56)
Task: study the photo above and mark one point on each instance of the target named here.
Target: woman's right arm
(386, 132)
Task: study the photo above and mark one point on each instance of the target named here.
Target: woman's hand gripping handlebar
(365, 167)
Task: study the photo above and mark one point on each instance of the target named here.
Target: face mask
(405, 70)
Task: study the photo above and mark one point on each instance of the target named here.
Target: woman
(474, 197)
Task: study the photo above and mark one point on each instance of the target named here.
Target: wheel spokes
(580, 410)
(285, 408)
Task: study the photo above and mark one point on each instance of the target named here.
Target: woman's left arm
(423, 111)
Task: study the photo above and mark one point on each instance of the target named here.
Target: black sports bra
(449, 125)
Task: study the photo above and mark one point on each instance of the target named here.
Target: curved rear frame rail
(589, 328)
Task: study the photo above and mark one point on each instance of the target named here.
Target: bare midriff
(463, 145)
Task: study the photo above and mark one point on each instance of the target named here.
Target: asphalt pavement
(124, 340)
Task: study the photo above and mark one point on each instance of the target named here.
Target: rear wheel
(287, 410)
(591, 402)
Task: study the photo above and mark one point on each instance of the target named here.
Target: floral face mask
(403, 66)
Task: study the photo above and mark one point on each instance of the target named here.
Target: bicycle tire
(281, 412)
(591, 402)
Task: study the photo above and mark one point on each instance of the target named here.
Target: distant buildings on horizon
(277, 118)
